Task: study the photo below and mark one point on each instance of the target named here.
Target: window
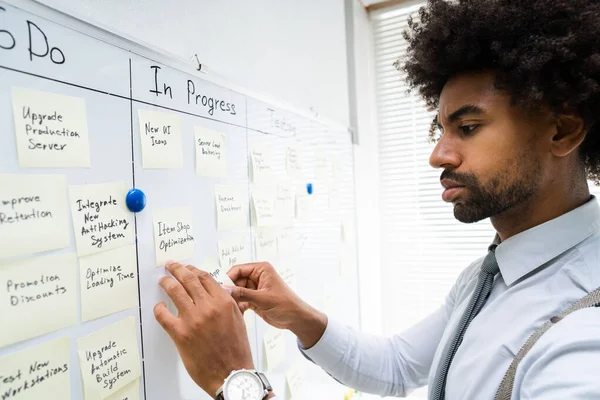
(423, 248)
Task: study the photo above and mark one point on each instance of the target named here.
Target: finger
(251, 271)
(244, 306)
(188, 280)
(177, 293)
(207, 281)
(244, 295)
(167, 320)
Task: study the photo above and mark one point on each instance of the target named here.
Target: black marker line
(137, 259)
(130, 98)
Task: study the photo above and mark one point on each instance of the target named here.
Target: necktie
(489, 268)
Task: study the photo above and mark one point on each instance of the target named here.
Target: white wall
(293, 50)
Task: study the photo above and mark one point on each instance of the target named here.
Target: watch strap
(220, 396)
(265, 381)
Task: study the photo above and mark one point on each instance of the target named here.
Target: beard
(504, 191)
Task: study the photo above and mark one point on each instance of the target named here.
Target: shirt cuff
(330, 350)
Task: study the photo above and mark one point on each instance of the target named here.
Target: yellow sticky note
(211, 153)
(108, 282)
(39, 372)
(293, 161)
(173, 234)
(51, 130)
(274, 343)
(287, 243)
(265, 241)
(295, 378)
(288, 274)
(101, 219)
(232, 213)
(160, 137)
(33, 214)
(264, 213)
(233, 251)
(37, 295)
(109, 359)
(129, 392)
(261, 165)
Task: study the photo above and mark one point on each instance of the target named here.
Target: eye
(468, 129)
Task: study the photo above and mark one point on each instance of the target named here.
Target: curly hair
(545, 53)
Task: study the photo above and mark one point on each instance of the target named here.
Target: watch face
(243, 385)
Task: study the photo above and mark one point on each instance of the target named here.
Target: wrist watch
(244, 385)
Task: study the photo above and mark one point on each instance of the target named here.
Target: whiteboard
(117, 77)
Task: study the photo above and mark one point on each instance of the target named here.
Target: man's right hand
(260, 288)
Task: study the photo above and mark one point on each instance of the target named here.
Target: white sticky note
(129, 392)
(304, 206)
(249, 320)
(231, 201)
(274, 343)
(265, 241)
(293, 161)
(295, 378)
(285, 204)
(264, 213)
(37, 295)
(287, 273)
(323, 168)
(173, 234)
(38, 372)
(261, 165)
(109, 359)
(108, 282)
(101, 219)
(211, 266)
(233, 251)
(287, 244)
(33, 214)
(160, 136)
(51, 130)
(211, 153)
(348, 230)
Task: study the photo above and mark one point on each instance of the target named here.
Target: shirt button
(555, 319)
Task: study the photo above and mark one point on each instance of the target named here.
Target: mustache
(465, 179)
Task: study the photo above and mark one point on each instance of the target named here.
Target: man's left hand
(209, 332)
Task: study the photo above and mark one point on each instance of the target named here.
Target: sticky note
(33, 214)
(261, 165)
(274, 343)
(101, 219)
(295, 377)
(293, 161)
(287, 273)
(109, 359)
(211, 153)
(37, 295)
(160, 137)
(51, 130)
(265, 241)
(232, 213)
(108, 282)
(129, 392)
(210, 265)
(285, 204)
(264, 213)
(348, 230)
(287, 243)
(304, 206)
(249, 320)
(38, 372)
(173, 234)
(323, 168)
(233, 251)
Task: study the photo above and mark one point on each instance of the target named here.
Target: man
(517, 89)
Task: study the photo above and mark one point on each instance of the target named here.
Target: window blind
(423, 247)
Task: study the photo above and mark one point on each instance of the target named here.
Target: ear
(570, 133)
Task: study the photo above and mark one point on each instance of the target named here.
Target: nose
(444, 155)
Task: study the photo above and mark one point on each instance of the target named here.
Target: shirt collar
(520, 254)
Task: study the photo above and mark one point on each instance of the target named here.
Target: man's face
(488, 149)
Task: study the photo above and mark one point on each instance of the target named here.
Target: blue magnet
(309, 188)
(135, 200)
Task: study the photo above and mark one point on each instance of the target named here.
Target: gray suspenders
(506, 386)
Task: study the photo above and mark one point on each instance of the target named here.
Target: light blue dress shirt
(542, 271)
